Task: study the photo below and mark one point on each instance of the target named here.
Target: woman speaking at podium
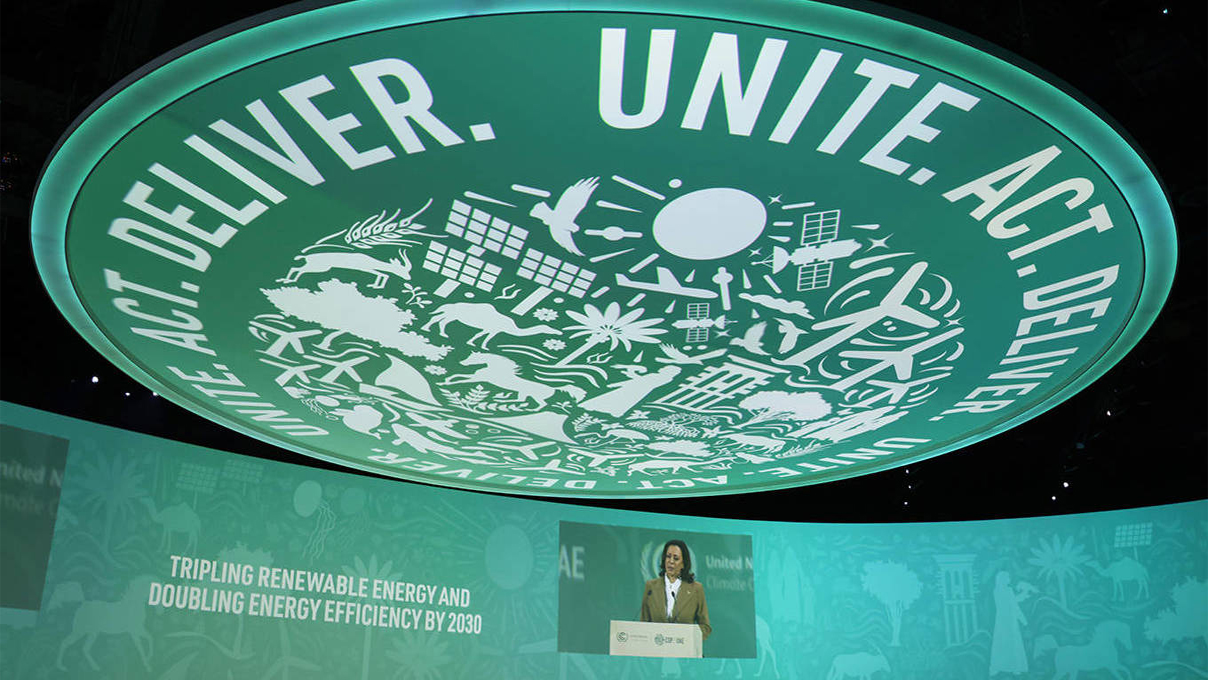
(676, 597)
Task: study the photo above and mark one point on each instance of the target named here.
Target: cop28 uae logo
(612, 253)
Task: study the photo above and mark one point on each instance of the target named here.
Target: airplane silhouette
(561, 219)
(666, 283)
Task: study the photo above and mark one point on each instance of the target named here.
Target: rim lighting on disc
(636, 250)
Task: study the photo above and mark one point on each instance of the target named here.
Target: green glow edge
(297, 26)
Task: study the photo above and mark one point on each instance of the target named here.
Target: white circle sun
(709, 223)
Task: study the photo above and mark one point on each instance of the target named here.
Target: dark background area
(1135, 437)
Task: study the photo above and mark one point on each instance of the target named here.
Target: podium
(643, 638)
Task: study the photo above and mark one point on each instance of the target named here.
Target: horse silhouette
(1100, 653)
(502, 372)
(127, 615)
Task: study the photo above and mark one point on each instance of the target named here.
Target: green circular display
(639, 249)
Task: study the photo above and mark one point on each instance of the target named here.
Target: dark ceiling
(1136, 437)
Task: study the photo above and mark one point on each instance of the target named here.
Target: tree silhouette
(781, 405)
(340, 306)
(372, 571)
(1059, 560)
(1186, 619)
(896, 587)
(113, 487)
(610, 325)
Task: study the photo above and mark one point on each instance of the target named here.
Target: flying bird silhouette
(791, 333)
(752, 340)
(561, 219)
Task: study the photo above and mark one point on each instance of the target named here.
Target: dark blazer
(690, 605)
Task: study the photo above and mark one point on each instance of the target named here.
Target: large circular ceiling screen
(642, 249)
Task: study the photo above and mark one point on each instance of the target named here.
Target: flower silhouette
(611, 326)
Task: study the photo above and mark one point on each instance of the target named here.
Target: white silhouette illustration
(674, 356)
(360, 418)
(709, 224)
(628, 393)
(817, 252)
(571, 392)
(483, 316)
(1007, 654)
(502, 372)
(765, 444)
(789, 335)
(319, 263)
(716, 384)
(485, 231)
(422, 444)
(666, 283)
(752, 339)
(892, 306)
(561, 219)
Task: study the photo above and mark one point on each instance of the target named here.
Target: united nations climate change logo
(649, 254)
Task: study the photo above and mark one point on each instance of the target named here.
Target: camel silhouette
(488, 320)
(176, 519)
(1124, 569)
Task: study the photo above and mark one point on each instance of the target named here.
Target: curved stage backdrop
(142, 557)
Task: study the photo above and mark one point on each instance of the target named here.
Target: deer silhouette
(488, 320)
(176, 519)
(93, 617)
(317, 263)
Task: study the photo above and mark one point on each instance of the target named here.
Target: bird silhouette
(752, 340)
(561, 219)
(791, 333)
(674, 356)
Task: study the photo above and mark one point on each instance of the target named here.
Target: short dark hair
(686, 574)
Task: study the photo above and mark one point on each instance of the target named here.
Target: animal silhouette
(561, 219)
(503, 373)
(92, 617)
(423, 444)
(768, 444)
(488, 320)
(791, 334)
(669, 465)
(621, 433)
(1122, 570)
(752, 340)
(175, 519)
(1100, 653)
(317, 263)
(861, 666)
(674, 356)
(361, 417)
